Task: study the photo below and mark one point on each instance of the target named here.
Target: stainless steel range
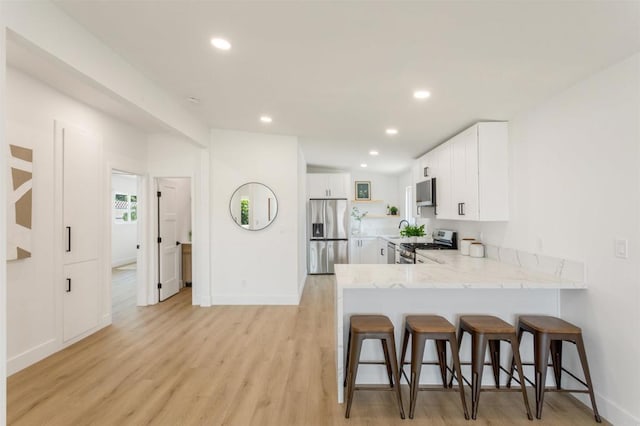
(442, 240)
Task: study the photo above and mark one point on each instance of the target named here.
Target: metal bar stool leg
(516, 356)
(353, 370)
(417, 352)
(556, 361)
(494, 353)
(587, 375)
(478, 351)
(441, 349)
(541, 346)
(512, 366)
(391, 349)
(456, 367)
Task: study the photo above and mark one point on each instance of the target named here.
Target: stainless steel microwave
(426, 192)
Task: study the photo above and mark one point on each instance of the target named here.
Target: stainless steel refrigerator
(328, 234)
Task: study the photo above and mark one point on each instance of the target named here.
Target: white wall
(80, 50)
(124, 236)
(32, 108)
(302, 221)
(255, 267)
(575, 188)
(3, 235)
(384, 188)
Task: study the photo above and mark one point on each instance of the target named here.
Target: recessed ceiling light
(421, 94)
(363, 165)
(373, 152)
(266, 119)
(391, 131)
(220, 43)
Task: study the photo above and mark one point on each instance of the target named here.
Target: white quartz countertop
(452, 270)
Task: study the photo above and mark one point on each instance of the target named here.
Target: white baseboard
(301, 287)
(31, 356)
(255, 299)
(106, 320)
(115, 263)
(610, 411)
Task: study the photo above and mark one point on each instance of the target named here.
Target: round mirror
(253, 206)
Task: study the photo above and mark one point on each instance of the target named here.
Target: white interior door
(168, 253)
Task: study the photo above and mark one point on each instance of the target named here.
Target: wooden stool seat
(429, 324)
(420, 328)
(364, 327)
(485, 324)
(547, 324)
(487, 330)
(548, 335)
(371, 324)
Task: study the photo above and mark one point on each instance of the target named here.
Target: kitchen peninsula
(452, 285)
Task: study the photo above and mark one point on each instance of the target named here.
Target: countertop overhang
(450, 270)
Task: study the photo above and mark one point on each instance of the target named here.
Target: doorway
(173, 235)
(125, 224)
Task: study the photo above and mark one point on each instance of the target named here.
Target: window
(244, 212)
(408, 203)
(125, 208)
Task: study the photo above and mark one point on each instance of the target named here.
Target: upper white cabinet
(442, 171)
(472, 173)
(328, 185)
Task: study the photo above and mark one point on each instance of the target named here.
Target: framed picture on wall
(363, 190)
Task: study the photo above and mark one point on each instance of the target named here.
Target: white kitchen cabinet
(472, 174)
(363, 250)
(464, 170)
(328, 185)
(381, 253)
(81, 168)
(442, 172)
(423, 260)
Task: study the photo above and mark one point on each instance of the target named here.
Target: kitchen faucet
(403, 220)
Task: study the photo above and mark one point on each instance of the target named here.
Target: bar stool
(486, 329)
(548, 335)
(433, 327)
(371, 327)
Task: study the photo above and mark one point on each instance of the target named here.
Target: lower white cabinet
(81, 297)
(381, 254)
(363, 250)
(421, 260)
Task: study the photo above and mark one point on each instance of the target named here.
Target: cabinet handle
(381, 252)
(68, 239)
(462, 208)
(68, 285)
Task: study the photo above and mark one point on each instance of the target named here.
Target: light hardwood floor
(175, 364)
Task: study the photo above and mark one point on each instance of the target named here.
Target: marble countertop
(451, 270)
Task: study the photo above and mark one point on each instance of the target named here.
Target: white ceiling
(336, 74)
